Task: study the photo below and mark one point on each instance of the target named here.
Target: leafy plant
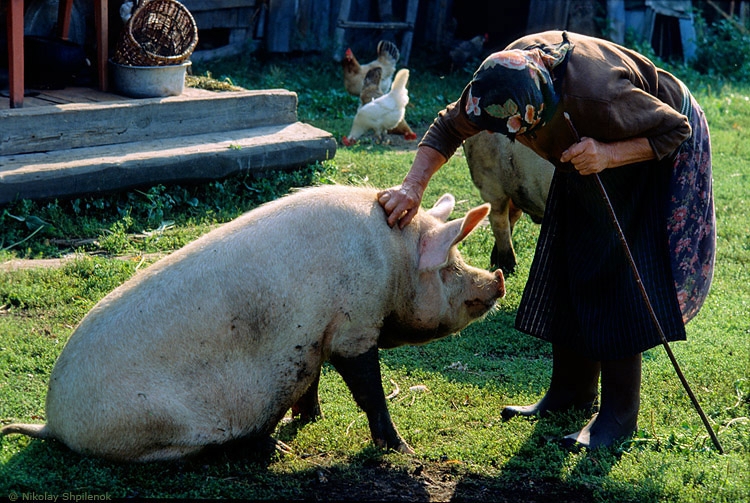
(723, 50)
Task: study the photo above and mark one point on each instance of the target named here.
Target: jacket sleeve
(622, 110)
(451, 127)
(630, 112)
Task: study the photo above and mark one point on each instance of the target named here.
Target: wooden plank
(71, 173)
(281, 15)
(78, 95)
(208, 5)
(313, 25)
(78, 125)
(228, 18)
(374, 25)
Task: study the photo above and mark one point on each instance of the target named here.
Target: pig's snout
(491, 292)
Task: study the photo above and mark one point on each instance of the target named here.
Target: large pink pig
(216, 342)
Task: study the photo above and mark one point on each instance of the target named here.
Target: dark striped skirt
(581, 292)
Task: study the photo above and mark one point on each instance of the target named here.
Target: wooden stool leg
(15, 53)
(64, 11)
(102, 42)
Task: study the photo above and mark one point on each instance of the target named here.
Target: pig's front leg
(308, 405)
(362, 375)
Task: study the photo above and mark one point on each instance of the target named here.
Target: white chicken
(383, 113)
(371, 91)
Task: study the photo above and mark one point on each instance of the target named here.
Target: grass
(452, 390)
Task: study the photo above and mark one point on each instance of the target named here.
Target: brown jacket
(610, 92)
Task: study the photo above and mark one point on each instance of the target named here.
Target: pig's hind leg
(362, 376)
(307, 407)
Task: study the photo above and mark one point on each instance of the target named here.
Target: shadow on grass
(47, 469)
(541, 470)
(249, 470)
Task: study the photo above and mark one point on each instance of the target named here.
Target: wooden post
(15, 53)
(64, 10)
(411, 17)
(340, 30)
(281, 16)
(101, 22)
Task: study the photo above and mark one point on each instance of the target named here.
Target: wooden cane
(646, 300)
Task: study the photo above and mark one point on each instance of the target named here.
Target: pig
(513, 179)
(216, 342)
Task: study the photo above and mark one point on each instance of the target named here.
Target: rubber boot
(574, 384)
(618, 412)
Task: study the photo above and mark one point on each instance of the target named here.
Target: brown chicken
(354, 73)
(371, 86)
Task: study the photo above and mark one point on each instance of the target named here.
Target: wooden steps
(70, 149)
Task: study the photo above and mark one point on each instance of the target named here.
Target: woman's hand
(588, 156)
(401, 203)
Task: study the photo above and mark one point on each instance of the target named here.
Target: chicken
(381, 114)
(371, 86)
(354, 73)
(466, 50)
(371, 90)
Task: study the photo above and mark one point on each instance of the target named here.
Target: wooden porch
(76, 141)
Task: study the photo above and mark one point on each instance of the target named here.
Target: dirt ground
(438, 482)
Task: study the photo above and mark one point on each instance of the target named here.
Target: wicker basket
(159, 33)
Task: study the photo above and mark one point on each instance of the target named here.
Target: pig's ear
(435, 244)
(443, 207)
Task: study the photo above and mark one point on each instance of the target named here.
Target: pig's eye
(450, 270)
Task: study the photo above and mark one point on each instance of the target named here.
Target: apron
(581, 292)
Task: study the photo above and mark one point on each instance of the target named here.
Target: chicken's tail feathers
(388, 49)
(400, 80)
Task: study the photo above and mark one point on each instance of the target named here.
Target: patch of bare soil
(440, 482)
(18, 264)
(398, 142)
(394, 142)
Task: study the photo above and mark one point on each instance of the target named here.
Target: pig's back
(210, 334)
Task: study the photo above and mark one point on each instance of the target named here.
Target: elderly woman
(647, 139)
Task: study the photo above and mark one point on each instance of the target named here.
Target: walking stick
(646, 300)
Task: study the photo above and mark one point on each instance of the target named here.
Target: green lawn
(451, 391)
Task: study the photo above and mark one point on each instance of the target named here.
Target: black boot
(618, 413)
(574, 384)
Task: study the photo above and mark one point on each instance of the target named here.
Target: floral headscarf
(512, 91)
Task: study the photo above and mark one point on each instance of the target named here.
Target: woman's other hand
(588, 156)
